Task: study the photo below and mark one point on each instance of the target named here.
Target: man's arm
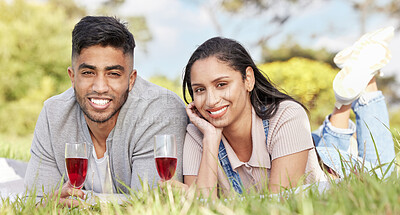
(42, 174)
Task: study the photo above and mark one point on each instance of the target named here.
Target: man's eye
(115, 74)
(87, 72)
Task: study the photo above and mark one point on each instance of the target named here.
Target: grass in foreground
(358, 194)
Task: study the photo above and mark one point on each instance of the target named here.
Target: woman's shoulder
(290, 104)
(193, 133)
(289, 109)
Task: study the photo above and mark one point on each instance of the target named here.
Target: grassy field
(15, 147)
(357, 194)
(354, 195)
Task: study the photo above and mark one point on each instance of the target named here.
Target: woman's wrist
(211, 143)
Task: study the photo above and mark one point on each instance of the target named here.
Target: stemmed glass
(76, 161)
(165, 155)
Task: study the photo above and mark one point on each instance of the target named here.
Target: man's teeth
(100, 101)
(219, 111)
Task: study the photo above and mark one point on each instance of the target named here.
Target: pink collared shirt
(289, 133)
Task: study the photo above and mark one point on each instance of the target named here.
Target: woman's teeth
(219, 111)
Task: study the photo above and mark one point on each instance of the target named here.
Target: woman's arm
(289, 145)
(287, 170)
(206, 179)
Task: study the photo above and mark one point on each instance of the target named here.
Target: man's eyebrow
(86, 66)
(115, 67)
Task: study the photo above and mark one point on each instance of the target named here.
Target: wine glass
(165, 155)
(76, 161)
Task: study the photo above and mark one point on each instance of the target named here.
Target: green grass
(355, 195)
(15, 147)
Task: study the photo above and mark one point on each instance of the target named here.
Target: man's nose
(100, 84)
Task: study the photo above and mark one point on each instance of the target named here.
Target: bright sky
(179, 26)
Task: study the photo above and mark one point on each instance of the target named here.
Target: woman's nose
(212, 98)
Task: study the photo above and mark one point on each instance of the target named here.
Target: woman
(246, 134)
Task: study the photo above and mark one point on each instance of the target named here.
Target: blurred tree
(70, 7)
(309, 81)
(390, 88)
(273, 14)
(35, 51)
(290, 48)
(366, 8)
(136, 24)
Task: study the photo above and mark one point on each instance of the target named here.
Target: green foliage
(290, 48)
(308, 81)
(34, 52)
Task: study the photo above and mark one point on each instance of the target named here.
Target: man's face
(102, 78)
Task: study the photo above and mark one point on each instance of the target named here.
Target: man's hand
(174, 185)
(68, 196)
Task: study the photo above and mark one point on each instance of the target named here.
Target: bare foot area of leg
(372, 87)
(340, 117)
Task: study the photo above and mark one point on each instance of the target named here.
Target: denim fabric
(232, 175)
(332, 143)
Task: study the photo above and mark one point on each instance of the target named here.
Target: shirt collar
(259, 156)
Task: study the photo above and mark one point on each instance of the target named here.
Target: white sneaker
(377, 40)
(360, 63)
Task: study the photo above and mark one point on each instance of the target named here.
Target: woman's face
(219, 92)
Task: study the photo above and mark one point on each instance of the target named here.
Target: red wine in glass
(76, 162)
(165, 155)
(77, 168)
(166, 167)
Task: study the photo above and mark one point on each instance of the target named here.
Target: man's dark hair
(104, 31)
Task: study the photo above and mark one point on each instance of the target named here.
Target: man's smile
(100, 103)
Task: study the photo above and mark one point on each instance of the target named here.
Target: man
(109, 107)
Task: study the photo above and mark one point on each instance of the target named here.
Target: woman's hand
(202, 124)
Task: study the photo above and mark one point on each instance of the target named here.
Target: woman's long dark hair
(265, 97)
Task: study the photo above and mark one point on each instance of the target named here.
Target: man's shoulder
(66, 96)
(61, 102)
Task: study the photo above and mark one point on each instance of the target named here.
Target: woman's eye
(198, 90)
(221, 84)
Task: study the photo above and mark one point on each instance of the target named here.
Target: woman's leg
(372, 119)
(334, 141)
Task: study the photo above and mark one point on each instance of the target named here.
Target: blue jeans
(372, 119)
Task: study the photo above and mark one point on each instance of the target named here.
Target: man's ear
(249, 80)
(132, 78)
(71, 75)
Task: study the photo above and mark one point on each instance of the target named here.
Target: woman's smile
(217, 112)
